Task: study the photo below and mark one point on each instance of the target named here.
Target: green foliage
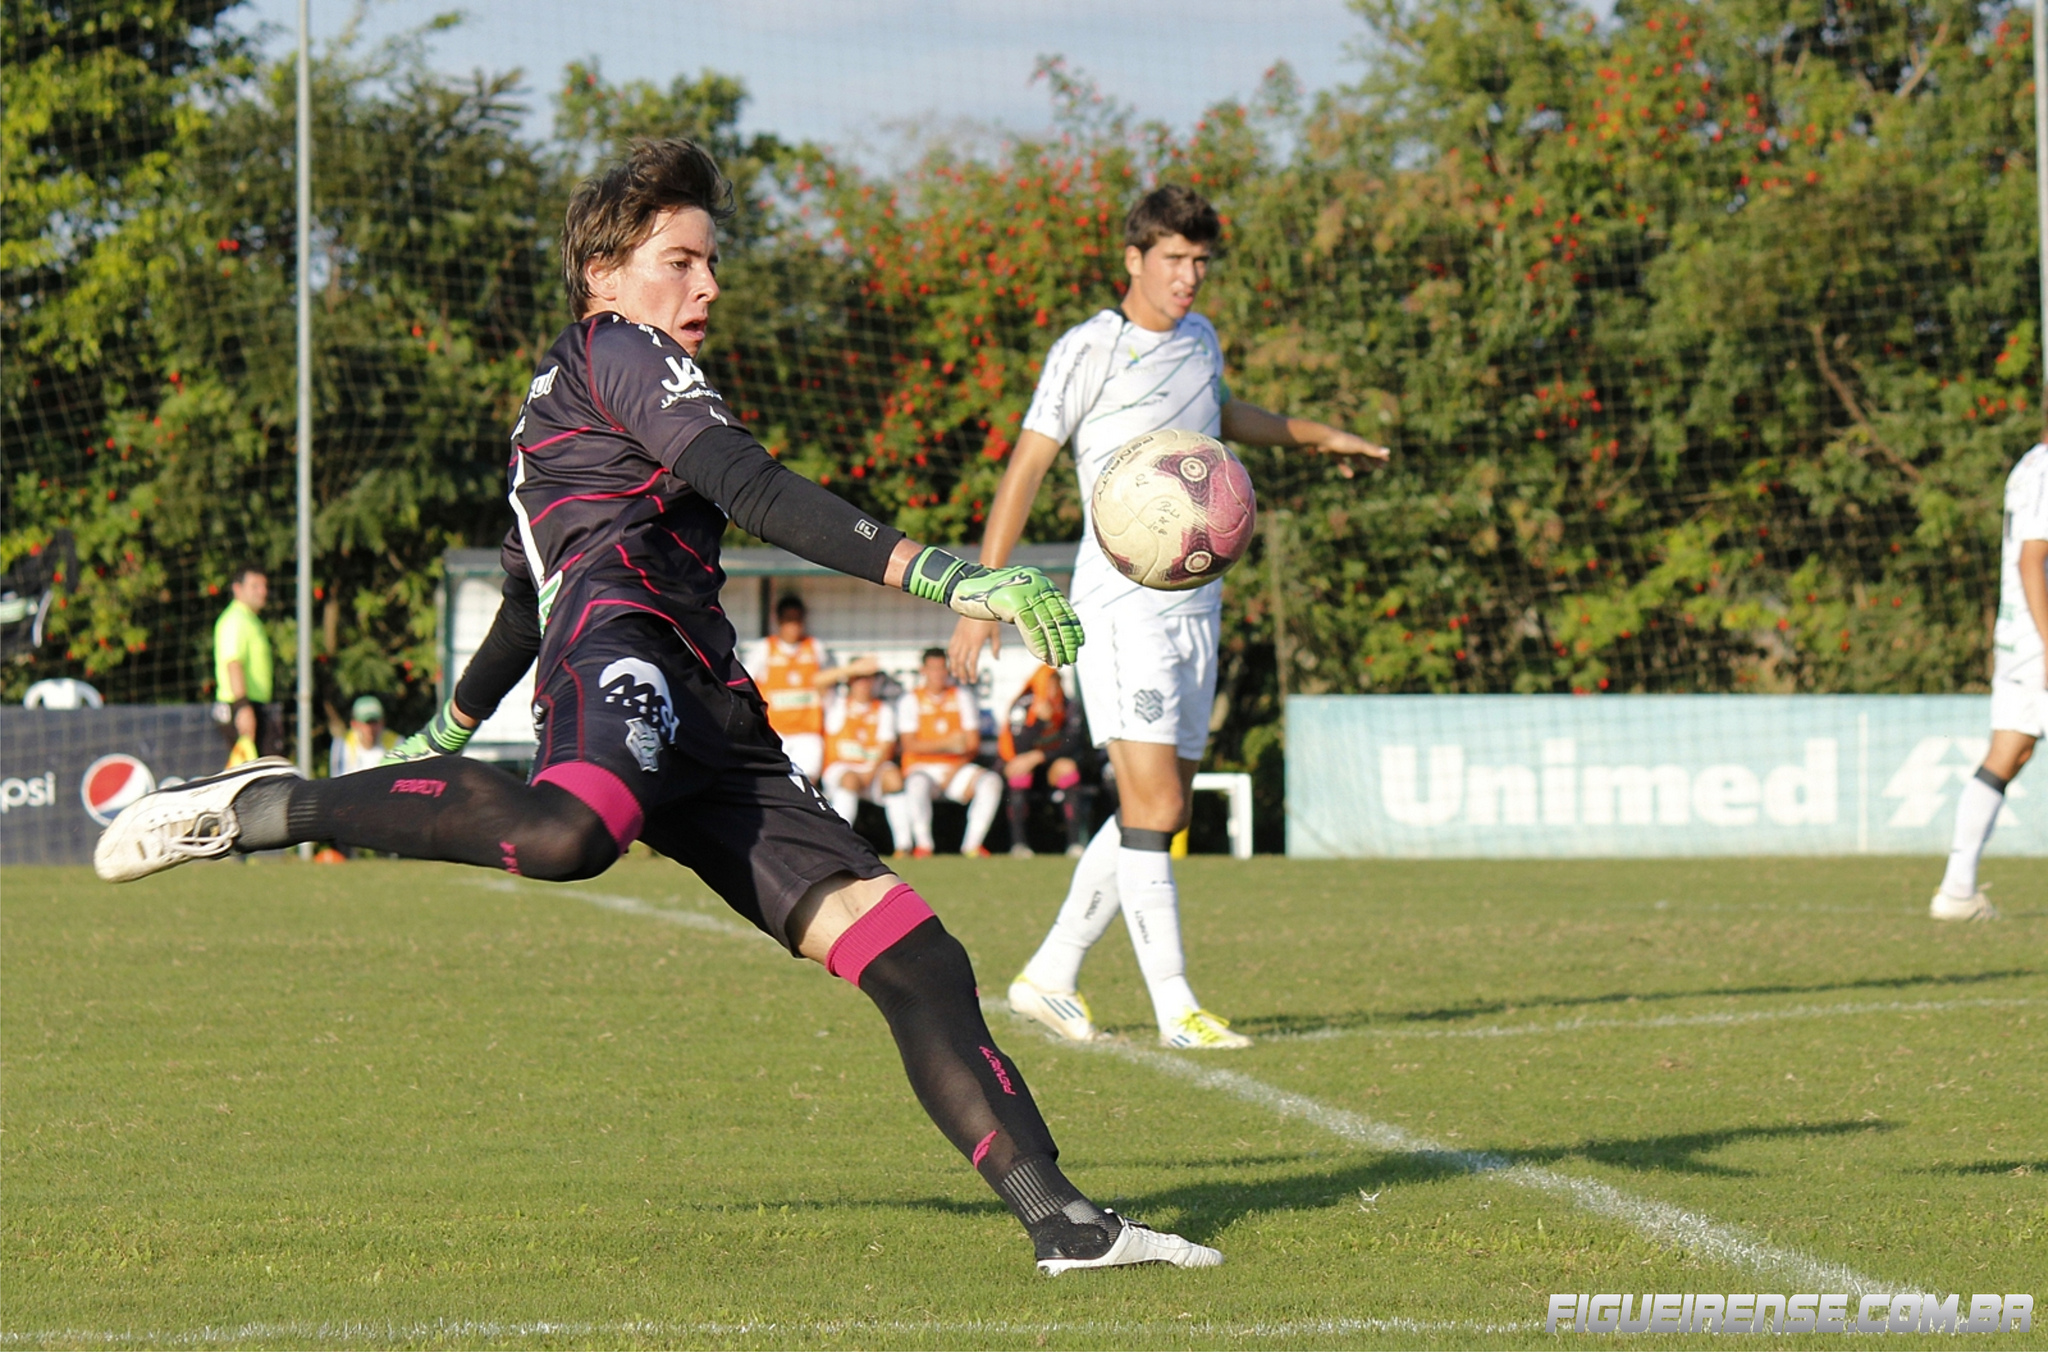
(1703, 335)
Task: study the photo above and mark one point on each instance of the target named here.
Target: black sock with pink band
(918, 975)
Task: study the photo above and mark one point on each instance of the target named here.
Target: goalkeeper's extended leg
(918, 975)
(448, 808)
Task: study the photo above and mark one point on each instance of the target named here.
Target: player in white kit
(2019, 686)
(1148, 672)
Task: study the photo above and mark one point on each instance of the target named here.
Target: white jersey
(1107, 380)
(2026, 518)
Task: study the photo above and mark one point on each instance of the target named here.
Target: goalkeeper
(625, 467)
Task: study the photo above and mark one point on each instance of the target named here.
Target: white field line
(1662, 1021)
(624, 905)
(347, 1332)
(1656, 1220)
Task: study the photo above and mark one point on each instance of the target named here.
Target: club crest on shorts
(640, 688)
(1148, 705)
(644, 744)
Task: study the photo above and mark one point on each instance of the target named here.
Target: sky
(877, 77)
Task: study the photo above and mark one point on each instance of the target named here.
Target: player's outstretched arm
(1256, 426)
(507, 651)
(772, 502)
(1007, 516)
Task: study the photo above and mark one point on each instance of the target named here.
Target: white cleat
(1139, 1244)
(1066, 1014)
(1199, 1030)
(194, 820)
(1976, 906)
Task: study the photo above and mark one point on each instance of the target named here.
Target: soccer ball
(1173, 509)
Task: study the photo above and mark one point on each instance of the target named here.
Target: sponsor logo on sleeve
(685, 382)
(543, 384)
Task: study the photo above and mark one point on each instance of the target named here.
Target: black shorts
(633, 724)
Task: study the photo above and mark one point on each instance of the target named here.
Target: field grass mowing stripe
(348, 1332)
(1657, 1220)
(1662, 1021)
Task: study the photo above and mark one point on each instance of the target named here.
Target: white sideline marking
(624, 905)
(355, 1331)
(1662, 1021)
(1657, 1220)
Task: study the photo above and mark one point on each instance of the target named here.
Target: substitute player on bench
(1148, 675)
(2019, 686)
(626, 466)
(795, 671)
(939, 727)
(860, 757)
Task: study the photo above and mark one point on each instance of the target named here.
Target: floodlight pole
(2041, 179)
(303, 164)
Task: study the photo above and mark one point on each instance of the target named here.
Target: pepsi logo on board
(112, 783)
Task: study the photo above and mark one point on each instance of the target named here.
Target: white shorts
(837, 770)
(958, 786)
(1149, 678)
(806, 751)
(2018, 702)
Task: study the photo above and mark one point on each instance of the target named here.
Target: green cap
(367, 709)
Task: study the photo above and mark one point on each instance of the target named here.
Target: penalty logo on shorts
(639, 688)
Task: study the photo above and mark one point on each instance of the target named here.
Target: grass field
(399, 1104)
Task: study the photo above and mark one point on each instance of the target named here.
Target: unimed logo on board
(1439, 785)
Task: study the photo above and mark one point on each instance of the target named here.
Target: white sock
(1144, 880)
(1976, 814)
(982, 809)
(1084, 916)
(896, 807)
(845, 801)
(917, 806)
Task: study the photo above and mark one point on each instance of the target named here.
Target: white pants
(846, 801)
(2018, 702)
(1149, 678)
(806, 751)
(979, 788)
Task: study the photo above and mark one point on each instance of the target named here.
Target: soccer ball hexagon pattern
(1173, 509)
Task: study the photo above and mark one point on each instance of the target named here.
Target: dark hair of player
(930, 653)
(1171, 209)
(791, 603)
(243, 571)
(614, 209)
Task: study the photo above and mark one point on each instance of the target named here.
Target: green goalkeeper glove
(442, 736)
(1024, 597)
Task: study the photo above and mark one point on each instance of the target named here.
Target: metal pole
(304, 167)
(2041, 177)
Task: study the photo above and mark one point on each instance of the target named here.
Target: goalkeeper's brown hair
(614, 209)
(1171, 209)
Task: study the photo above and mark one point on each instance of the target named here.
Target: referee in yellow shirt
(242, 671)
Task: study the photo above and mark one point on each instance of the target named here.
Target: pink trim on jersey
(867, 938)
(590, 375)
(687, 550)
(603, 793)
(559, 436)
(597, 497)
(625, 559)
(584, 619)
